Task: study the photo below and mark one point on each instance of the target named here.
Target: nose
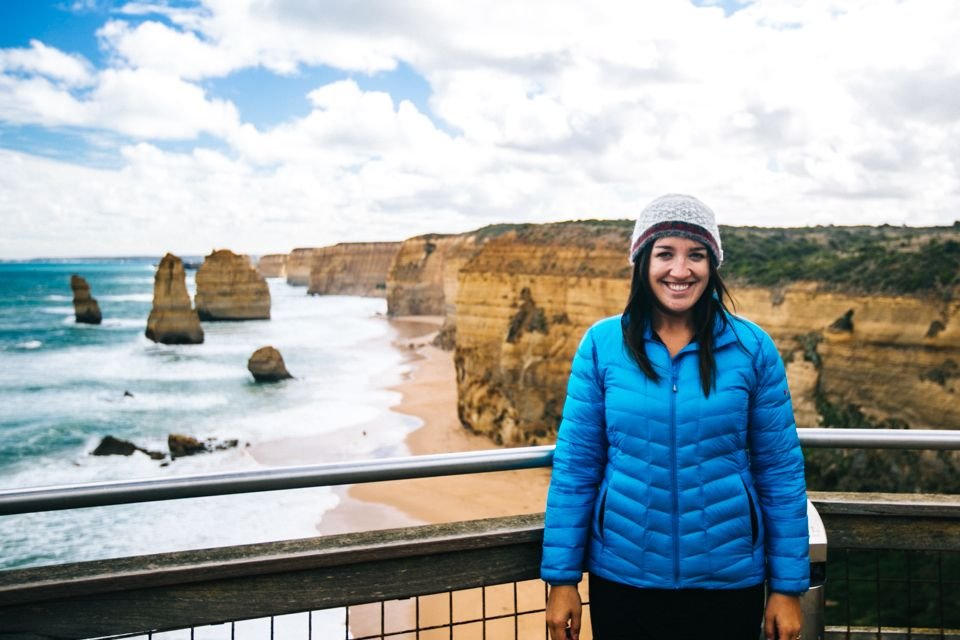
(680, 267)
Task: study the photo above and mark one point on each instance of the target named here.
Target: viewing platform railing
(388, 583)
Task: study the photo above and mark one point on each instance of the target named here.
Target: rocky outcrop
(522, 305)
(266, 364)
(111, 446)
(182, 446)
(172, 319)
(298, 267)
(85, 307)
(352, 268)
(229, 288)
(273, 265)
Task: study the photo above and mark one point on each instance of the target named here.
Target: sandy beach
(430, 394)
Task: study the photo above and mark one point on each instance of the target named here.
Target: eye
(663, 254)
(698, 255)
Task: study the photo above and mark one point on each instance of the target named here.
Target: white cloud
(150, 105)
(43, 86)
(38, 101)
(784, 112)
(39, 59)
(156, 47)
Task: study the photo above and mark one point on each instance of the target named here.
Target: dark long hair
(713, 306)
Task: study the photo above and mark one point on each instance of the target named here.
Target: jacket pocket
(754, 516)
(602, 512)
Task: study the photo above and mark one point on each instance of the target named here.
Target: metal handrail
(36, 499)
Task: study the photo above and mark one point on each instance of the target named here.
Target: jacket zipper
(676, 487)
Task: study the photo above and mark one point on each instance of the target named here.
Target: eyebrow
(668, 245)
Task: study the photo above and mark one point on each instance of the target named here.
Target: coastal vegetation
(884, 259)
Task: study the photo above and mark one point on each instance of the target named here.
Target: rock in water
(266, 365)
(182, 446)
(85, 306)
(172, 319)
(111, 446)
(229, 288)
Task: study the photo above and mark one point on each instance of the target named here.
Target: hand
(563, 612)
(783, 618)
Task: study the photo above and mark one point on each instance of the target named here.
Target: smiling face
(678, 275)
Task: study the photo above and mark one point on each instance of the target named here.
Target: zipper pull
(674, 387)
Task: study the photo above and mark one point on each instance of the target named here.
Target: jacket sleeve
(777, 466)
(578, 464)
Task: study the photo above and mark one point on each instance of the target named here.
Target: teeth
(678, 286)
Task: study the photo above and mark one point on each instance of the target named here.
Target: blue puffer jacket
(656, 486)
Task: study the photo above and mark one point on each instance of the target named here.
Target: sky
(137, 128)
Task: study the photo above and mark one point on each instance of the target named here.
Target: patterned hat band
(676, 228)
(676, 214)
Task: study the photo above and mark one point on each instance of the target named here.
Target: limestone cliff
(883, 354)
(415, 278)
(423, 279)
(526, 298)
(522, 306)
(172, 319)
(273, 265)
(229, 288)
(85, 307)
(352, 268)
(298, 267)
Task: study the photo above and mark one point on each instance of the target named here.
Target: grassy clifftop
(884, 259)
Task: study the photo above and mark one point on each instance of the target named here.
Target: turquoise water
(62, 388)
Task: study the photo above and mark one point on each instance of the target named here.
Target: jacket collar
(723, 332)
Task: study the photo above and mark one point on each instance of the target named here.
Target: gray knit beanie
(677, 215)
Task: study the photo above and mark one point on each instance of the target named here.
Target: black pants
(622, 612)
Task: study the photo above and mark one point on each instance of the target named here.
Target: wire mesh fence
(512, 611)
(897, 593)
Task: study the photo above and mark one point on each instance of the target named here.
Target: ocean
(64, 386)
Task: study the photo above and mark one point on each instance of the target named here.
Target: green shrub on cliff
(891, 260)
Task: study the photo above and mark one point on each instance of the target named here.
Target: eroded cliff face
(424, 276)
(415, 279)
(299, 263)
(351, 268)
(895, 357)
(526, 298)
(229, 288)
(522, 305)
(273, 265)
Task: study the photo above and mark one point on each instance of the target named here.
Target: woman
(678, 477)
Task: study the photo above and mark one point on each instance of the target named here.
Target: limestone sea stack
(85, 306)
(172, 319)
(266, 365)
(229, 288)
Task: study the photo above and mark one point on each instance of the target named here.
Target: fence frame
(162, 591)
